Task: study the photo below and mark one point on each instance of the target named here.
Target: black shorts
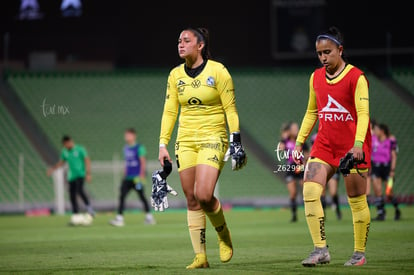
(292, 175)
(380, 170)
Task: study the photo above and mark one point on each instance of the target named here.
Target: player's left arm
(88, 176)
(87, 161)
(142, 153)
(225, 87)
(361, 99)
(236, 151)
(394, 151)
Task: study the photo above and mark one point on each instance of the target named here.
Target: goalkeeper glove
(236, 152)
(160, 188)
(348, 162)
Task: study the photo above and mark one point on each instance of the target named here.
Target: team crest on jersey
(210, 81)
(333, 111)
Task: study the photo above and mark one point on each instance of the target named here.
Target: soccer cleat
(200, 261)
(149, 219)
(91, 211)
(317, 256)
(380, 217)
(357, 259)
(118, 221)
(397, 216)
(294, 218)
(225, 245)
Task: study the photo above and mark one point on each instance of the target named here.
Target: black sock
(335, 200)
(379, 203)
(293, 206)
(394, 202)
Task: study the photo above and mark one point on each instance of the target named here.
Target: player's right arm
(169, 117)
(309, 120)
(60, 163)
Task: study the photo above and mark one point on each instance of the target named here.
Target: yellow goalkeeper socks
(315, 217)
(217, 220)
(225, 244)
(361, 218)
(197, 226)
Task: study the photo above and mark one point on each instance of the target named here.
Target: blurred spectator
(293, 172)
(384, 160)
(134, 177)
(79, 165)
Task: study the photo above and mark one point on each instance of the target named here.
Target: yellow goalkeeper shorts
(209, 150)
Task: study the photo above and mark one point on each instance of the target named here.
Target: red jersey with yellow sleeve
(342, 107)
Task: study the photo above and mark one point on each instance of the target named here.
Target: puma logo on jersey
(333, 111)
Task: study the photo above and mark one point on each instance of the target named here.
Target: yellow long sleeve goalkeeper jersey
(204, 102)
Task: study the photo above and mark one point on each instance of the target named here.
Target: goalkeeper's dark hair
(202, 35)
(66, 138)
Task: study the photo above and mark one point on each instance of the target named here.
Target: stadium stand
(37, 189)
(95, 108)
(404, 77)
(99, 108)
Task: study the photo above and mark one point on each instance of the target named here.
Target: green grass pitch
(264, 241)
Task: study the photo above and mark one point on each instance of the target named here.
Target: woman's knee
(192, 202)
(204, 198)
(356, 184)
(312, 191)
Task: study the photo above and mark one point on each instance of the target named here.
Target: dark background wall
(144, 33)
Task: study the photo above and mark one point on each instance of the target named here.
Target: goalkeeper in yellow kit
(201, 91)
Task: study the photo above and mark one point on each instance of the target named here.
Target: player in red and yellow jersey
(338, 97)
(201, 91)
